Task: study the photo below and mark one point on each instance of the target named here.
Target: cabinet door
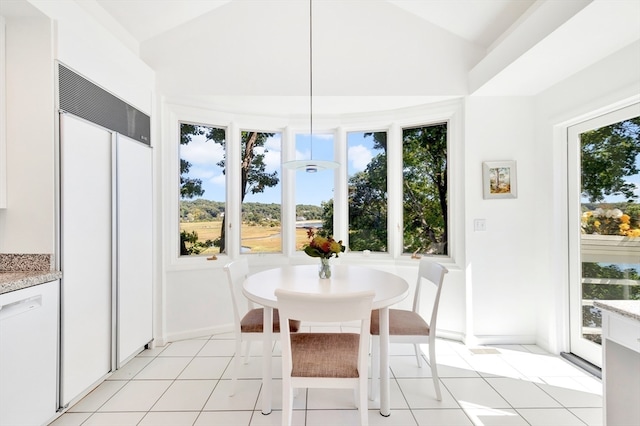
(134, 224)
(28, 355)
(86, 318)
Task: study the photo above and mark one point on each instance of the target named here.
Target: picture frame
(499, 179)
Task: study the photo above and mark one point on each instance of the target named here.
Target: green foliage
(327, 216)
(424, 156)
(608, 156)
(310, 212)
(368, 207)
(189, 244)
(191, 187)
(201, 210)
(368, 201)
(592, 317)
(254, 178)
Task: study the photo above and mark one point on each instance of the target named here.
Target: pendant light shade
(310, 165)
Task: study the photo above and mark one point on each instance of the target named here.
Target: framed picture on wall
(499, 179)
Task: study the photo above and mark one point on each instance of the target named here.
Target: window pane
(202, 189)
(610, 219)
(424, 161)
(605, 281)
(314, 191)
(261, 230)
(367, 169)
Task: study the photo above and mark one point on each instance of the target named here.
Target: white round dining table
(389, 289)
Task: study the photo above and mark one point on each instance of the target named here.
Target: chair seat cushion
(252, 322)
(325, 355)
(401, 323)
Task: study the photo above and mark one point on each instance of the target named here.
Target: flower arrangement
(322, 245)
(609, 222)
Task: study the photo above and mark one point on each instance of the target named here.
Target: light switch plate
(479, 225)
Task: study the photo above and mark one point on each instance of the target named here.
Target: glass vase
(324, 271)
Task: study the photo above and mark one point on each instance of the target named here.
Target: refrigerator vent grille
(84, 99)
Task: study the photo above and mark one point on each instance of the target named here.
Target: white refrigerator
(105, 252)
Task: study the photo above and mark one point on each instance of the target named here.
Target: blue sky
(311, 188)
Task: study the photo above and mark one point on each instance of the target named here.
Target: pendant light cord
(311, 79)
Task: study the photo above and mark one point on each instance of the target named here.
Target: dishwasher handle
(15, 308)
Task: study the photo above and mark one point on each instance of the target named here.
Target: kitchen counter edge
(18, 280)
(627, 308)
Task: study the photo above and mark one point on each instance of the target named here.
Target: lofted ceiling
(367, 55)
(478, 21)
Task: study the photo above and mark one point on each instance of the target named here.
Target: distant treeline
(201, 210)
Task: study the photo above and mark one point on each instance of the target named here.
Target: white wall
(502, 262)
(48, 31)
(28, 223)
(607, 85)
(89, 49)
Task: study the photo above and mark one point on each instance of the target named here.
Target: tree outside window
(261, 230)
(202, 183)
(424, 161)
(202, 189)
(610, 166)
(367, 169)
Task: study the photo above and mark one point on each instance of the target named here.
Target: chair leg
(236, 366)
(247, 349)
(287, 403)
(363, 405)
(375, 367)
(416, 348)
(434, 370)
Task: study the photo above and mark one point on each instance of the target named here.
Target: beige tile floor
(187, 383)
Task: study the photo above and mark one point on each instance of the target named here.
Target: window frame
(391, 122)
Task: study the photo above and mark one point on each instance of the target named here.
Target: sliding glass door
(604, 221)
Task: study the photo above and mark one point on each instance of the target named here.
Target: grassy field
(260, 239)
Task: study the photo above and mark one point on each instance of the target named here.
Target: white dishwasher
(29, 355)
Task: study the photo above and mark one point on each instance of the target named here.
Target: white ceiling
(478, 21)
(368, 55)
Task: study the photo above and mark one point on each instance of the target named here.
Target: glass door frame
(583, 348)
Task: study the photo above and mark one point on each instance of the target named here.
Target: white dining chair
(410, 327)
(325, 360)
(247, 319)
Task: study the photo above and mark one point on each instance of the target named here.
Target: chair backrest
(432, 272)
(325, 308)
(237, 271)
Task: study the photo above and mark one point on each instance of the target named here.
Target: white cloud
(359, 157)
(202, 152)
(274, 152)
(200, 172)
(303, 155)
(218, 180)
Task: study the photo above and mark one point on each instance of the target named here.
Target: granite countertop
(18, 271)
(627, 308)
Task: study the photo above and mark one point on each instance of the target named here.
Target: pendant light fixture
(310, 165)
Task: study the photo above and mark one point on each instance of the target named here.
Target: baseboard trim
(201, 332)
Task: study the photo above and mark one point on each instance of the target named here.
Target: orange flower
(321, 246)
